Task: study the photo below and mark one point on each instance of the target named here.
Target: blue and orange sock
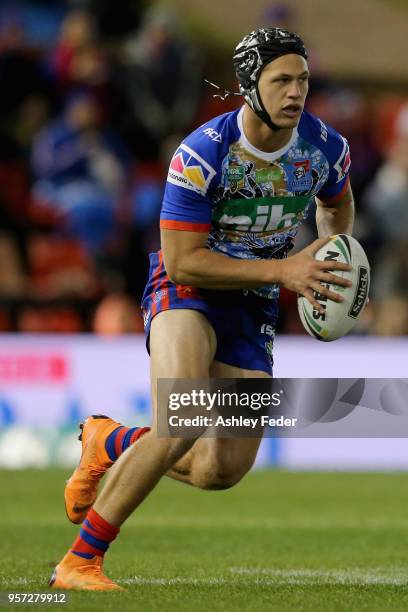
(95, 536)
(121, 438)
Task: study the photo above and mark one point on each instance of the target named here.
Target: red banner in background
(31, 367)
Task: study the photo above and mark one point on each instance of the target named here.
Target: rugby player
(237, 190)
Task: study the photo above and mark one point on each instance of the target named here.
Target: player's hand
(304, 275)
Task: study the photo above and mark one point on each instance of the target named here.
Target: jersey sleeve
(187, 203)
(338, 154)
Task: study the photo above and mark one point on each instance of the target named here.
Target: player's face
(283, 86)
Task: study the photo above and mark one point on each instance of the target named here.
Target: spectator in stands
(390, 290)
(21, 74)
(77, 34)
(387, 205)
(387, 196)
(79, 60)
(162, 73)
(117, 314)
(81, 168)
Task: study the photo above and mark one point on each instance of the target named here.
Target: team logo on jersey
(236, 177)
(342, 165)
(299, 176)
(189, 170)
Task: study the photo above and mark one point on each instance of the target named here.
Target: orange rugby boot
(82, 488)
(80, 574)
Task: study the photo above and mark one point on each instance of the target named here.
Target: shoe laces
(96, 471)
(95, 569)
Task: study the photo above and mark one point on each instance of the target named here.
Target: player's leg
(103, 440)
(244, 328)
(210, 464)
(182, 345)
(219, 463)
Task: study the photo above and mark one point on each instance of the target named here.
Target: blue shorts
(244, 323)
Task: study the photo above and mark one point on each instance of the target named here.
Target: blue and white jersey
(251, 202)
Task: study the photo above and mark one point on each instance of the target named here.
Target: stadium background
(93, 103)
(94, 97)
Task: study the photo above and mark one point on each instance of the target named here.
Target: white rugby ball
(339, 317)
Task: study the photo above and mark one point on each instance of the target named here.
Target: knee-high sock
(121, 438)
(95, 536)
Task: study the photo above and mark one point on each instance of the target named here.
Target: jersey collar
(257, 152)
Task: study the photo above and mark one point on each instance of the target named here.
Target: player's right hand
(304, 275)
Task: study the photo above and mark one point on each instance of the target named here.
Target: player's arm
(189, 262)
(335, 215)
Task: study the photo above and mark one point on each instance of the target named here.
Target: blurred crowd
(93, 103)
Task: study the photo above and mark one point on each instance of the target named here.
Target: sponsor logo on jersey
(267, 175)
(299, 176)
(260, 215)
(190, 170)
(323, 131)
(213, 134)
(342, 165)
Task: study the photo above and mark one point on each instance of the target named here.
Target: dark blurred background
(95, 96)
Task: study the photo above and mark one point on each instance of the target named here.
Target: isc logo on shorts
(267, 329)
(190, 170)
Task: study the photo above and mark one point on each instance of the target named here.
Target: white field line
(177, 580)
(255, 576)
(281, 577)
(18, 581)
(352, 576)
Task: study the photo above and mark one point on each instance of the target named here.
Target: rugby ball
(338, 318)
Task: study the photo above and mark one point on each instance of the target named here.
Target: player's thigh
(230, 457)
(182, 345)
(224, 370)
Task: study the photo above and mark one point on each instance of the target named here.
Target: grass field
(278, 541)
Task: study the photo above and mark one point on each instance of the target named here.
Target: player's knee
(167, 450)
(218, 479)
(176, 448)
